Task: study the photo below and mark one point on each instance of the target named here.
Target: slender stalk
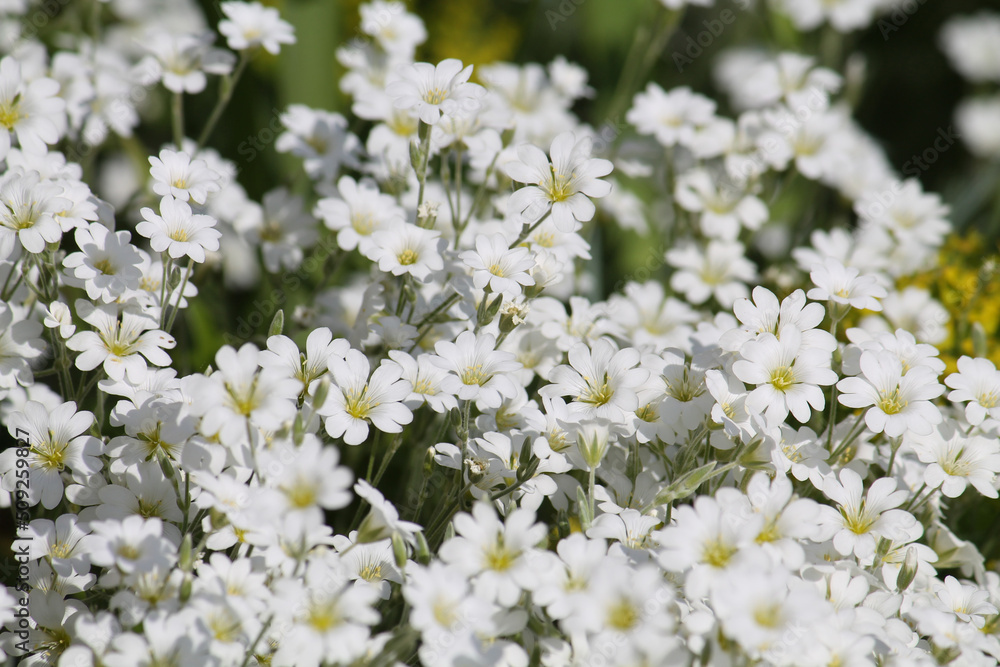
(180, 295)
(458, 181)
(177, 119)
(166, 261)
(527, 229)
(851, 437)
(591, 483)
(228, 86)
(390, 452)
(424, 132)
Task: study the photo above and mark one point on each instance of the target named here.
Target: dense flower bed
(751, 462)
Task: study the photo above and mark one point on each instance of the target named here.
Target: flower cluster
(446, 454)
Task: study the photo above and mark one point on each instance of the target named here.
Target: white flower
(426, 380)
(432, 91)
(329, 620)
(954, 460)
(178, 232)
(20, 345)
(766, 315)
(283, 355)
(707, 537)
(28, 210)
(566, 184)
(504, 270)
(674, 117)
(236, 392)
(977, 382)
(382, 520)
(763, 608)
(250, 24)
(408, 249)
(59, 442)
(495, 554)
(57, 316)
(448, 615)
(911, 214)
(181, 61)
(176, 175)
(396, 30)
(899, 402)
(360, 212)
(370, 564)
(107, 266)
(304, 478)
(477, 371)
(602, 380)
(724, 207)
(968, 602)
(843, 15)
(861, 519)
(787, 377)
(132, 545)
(721, 270)
(123, 340)
(845, 285)
(972, 44)
(59, 543)
(357, 400)
(31, 111)
(281, 227)
(976, 121)
(321, 139)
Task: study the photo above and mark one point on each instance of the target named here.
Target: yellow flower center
(105, 266)
(782, 378)
(717, 553)
(357, 403)
(444, 612)
(498, 557)
(648, 413)
(9, 113)
(363, 223)
(371, 572)
(323, 617)
(300, 495)
(435, 95)
(623, 615)
(597, 395)
(128, 552)
(560, 188)
(891, 403)
(768, 616)
(407, 257)
(51, 455)
(989, 400)
(60, 550)
(474, 375)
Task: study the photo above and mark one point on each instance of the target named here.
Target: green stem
(177, 119)
(180, 295)
(527, 229)
(851, 437)
(166, 261)
(458, 181)
(228, 86)
(591, 483)
(424, 132)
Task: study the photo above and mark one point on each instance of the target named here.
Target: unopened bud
(399, 550)
(908, 571)
(277, 324)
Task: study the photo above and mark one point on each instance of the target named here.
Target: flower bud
(908, 571)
